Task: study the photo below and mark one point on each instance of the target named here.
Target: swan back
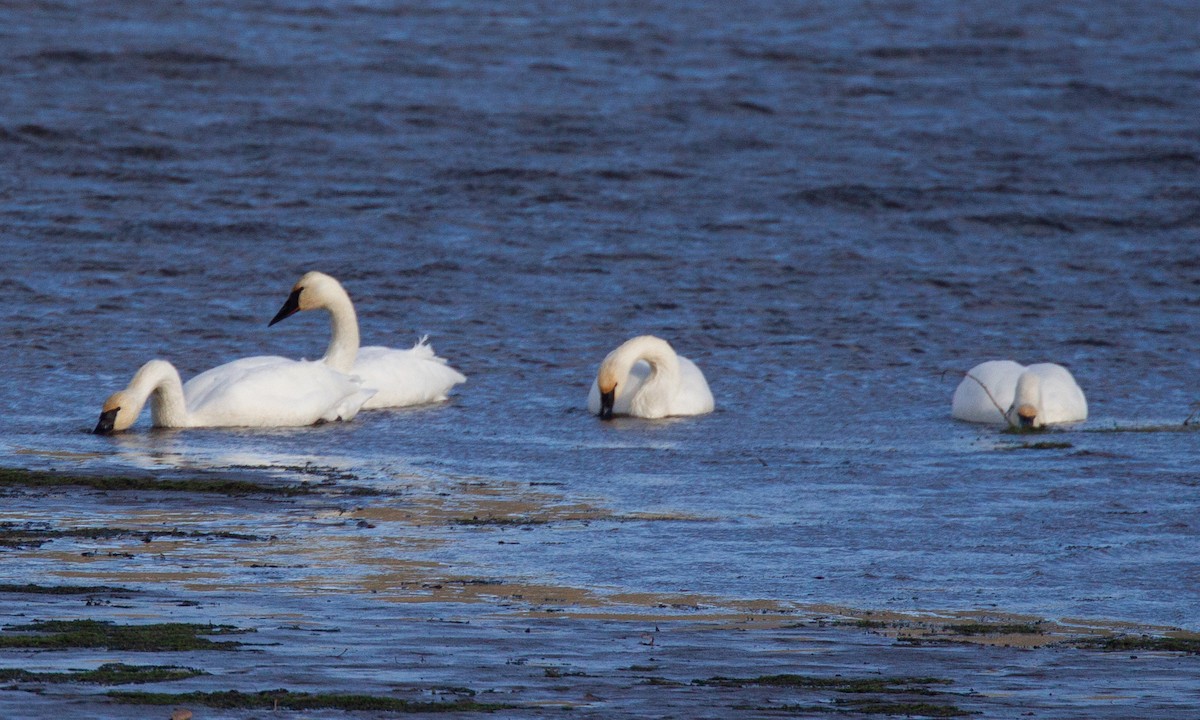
(972, 402)
(1047, 394)
(405, 377)
(272, 391)
(617, 364)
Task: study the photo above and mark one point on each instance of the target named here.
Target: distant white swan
(1041, 394)
(400, 377)
(264, 391)
(645, 378)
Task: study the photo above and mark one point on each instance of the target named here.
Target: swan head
(1026, 416)
(618, 364)
(1023, 412)
(117, 414)
(612, 370)
(313, 290)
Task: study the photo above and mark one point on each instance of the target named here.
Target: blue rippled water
(831, 207)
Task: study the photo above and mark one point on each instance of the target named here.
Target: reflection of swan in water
(250, 392)
(400, 377)
(243, 454)
(645, 378)
(1041, 394)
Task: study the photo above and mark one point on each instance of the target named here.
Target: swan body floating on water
(1028, 397)
(400, 377)
(265, 391)
(645, 378)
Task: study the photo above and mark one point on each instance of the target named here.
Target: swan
(1027, 397)
(645, 378)
(400, 377)
(263, 391)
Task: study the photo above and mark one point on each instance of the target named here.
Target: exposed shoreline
(396, 642)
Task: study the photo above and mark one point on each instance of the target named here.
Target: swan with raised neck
(401, 378)
(645, 377)
(317, 290)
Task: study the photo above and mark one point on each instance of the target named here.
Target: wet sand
(345, 595)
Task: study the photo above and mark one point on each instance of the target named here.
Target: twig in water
(1195, 409)
(1003, 413)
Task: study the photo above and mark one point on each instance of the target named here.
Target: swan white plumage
(265, 391)
(644, 377)
(1033, 396)
(400, 377)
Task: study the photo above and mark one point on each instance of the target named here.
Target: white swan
(261, 391)
(645, 378)
(400, 377)
(1041, 394)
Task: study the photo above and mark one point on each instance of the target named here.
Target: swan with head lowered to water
(400, 377)
(1007, 393)
(645, 378)
(265, 391)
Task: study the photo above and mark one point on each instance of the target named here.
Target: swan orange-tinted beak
(291, 307)
(108, 419)
(606, 404)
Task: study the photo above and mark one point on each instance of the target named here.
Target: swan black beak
(606, 404)
(291, 307)
(108, 418)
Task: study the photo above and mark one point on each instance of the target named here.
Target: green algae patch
(1044, 445)
(1185, 426)
(107, 674)
(865, 624)
(16, 536)
(893, 696)
(492, 521)
(1147, 643)
(837, 684)
(994, 629)
(11, 477)
(31, 589)
(907, 709)
(1018, 430)
(161, 637)
(287, 700)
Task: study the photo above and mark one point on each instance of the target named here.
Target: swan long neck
(158, 381)
(1027, 401)
(1028, 391)
(343, 346)
(658, 353)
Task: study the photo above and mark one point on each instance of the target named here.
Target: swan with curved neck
(644, 377)
(1008, 393)
(251, 392)
(400, 377)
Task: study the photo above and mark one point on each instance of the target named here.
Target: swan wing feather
(272, 392)
(405, 377)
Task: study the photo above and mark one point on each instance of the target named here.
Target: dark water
(826, 206)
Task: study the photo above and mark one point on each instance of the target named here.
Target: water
(832, 209)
